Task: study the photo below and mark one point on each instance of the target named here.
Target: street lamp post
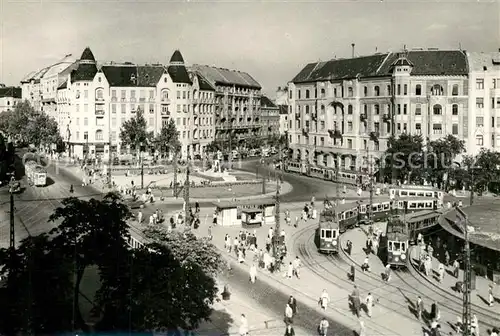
(68, 133)
(276, 242)
(142, 165)
(186, 191)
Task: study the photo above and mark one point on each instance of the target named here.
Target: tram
(420, 221)
(397, 239)
(328, 174)
(37, 174)
(327, 237)
(415, 191)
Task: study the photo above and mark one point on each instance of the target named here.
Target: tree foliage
(134, 131)
(42, 130)
(38, 296)
(167, 141)
(164, 286)
(440, 156)
(187, 248)
(402, 157)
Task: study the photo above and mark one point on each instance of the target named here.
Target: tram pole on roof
(467, 279)
(277, 229)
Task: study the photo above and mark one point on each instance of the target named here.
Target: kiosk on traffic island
(247, 213)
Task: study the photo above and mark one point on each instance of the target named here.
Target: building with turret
(342, 110)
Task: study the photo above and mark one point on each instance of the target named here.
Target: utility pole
(370, 176)
(186, 192)
(110, 163)
(142, 167)
(276, 247)
(467, 279)
(12, 231)
(174, 164)
(471, 199)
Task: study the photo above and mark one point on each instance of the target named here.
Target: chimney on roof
(376, 49)
(353, 45)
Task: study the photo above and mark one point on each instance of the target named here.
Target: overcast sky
(270, 40)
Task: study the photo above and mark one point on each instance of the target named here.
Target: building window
(389, 90)
(418, 109)
(99, 121)
(151, 108)
(454, 90)
(85, 108)
(307, 109)
(100, 93)
(350, 93)
(298, 94)
(349, 126)
(399, 108)
(113, 108)
(437, 129)
(99, 135)
(335, 92)
(323, 93)
(418, 90)
(480, 102)
(349, 143)
(307, 94)
(437, 109)
(399, 89)
(454, 109)
(479, 140)
(113, 122)
(437, 90)
(418, 128)
(85, 94)
(322, 109)
(86, 136)
(349, 109)
(365, 91)
(480, 84)
(178, 94)
(85, 121)
(454, 129)
(405, 109)
(405, 89)
(123, 108)
(479, 121)
(151, 121)
(365, 110)
(377, 109)
(376, 89)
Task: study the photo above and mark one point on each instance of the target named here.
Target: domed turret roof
(176, 57)
(87, 55)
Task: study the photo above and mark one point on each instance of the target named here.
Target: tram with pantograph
(327, 233)
(328, 174)
(397, 239)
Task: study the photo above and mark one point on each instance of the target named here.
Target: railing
(99, 99)
(165, 113)
(133, 100)
(165, 100)
(99, 112)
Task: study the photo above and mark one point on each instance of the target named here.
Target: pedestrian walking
(456, 267)
(491, 299)
(441, 272)
(139, 217)
(324, 299)
(293, 304)
(243, 325)
(369, 304)
(323, 327)
(353, 272)
(241, 258)
(435, 314)
(296, 267)
(289, 331)
(475, 325)
(253, 273)
(288, 314)
(387, 273)
(447, 258)
(366, 266)
(356, 302)
(419, 307)
(296, 225)
(349, 247)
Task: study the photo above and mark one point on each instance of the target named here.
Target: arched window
(365, 109)
(365, 91)
(322, 108)
(307, 93)
(418, 90)
(322, 93)
(437, 109)
(307, 108)
(349, 92)
(99, 94)
(349, 109)
(437, 90)
(454, 91)
(164, 95)
(454, 109)
(479, 140)
(99, 135)
(377, 108)
(377, 90)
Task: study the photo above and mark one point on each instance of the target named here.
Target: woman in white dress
(253, 273)
(243, 325)
(324, 299)
(241, 259)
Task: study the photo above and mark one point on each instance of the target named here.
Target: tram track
(431, 293)
(302, 243)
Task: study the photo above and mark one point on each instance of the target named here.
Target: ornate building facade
(237, 104)
(270, 118)
(342, 110)
(9, 97)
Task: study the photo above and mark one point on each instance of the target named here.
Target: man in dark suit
(293, 304)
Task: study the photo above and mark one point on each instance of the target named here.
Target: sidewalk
(308, 288)
(479, 296)
(226, 317)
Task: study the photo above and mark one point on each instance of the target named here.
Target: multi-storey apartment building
(40, 87)
(203, 129)
(484, 101)
(9, 97)
(237, 104)
(270, 118)
(282, 101)
(340, 107)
